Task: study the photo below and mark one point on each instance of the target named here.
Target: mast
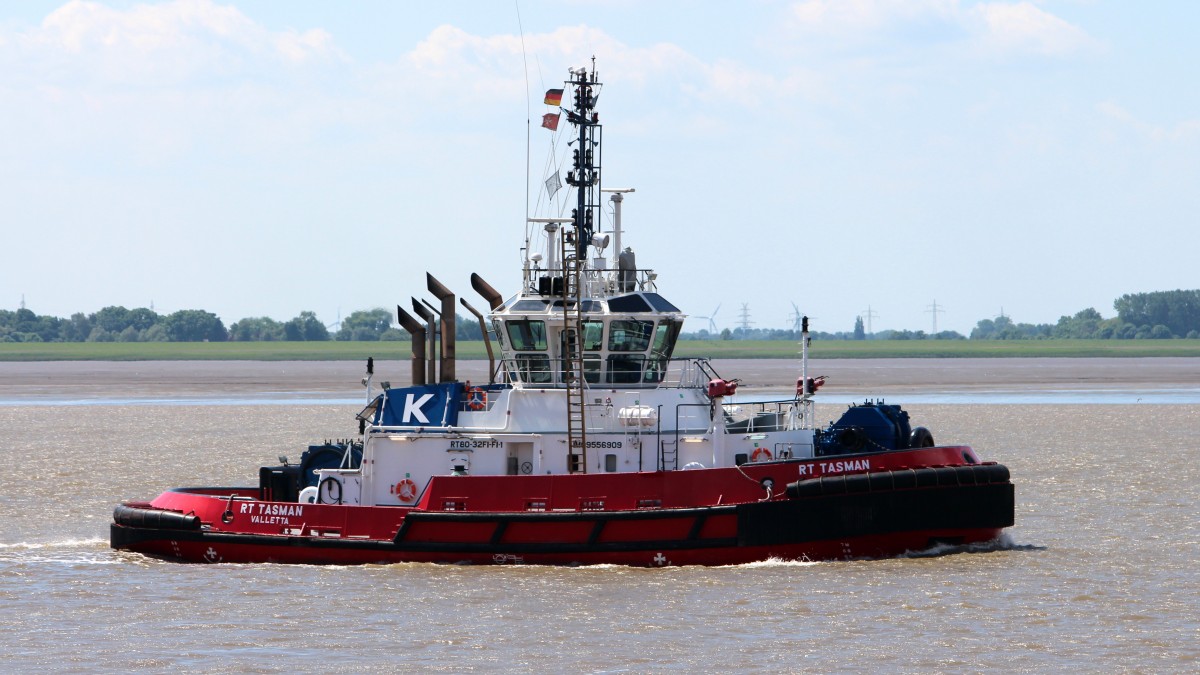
(585, 178)
(585, 174)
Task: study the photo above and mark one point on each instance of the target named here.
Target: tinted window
(660, 303)
(628, 303)
(591, 306)
(591, 369)
(529, 306)
(625, 369)
(593, 336)
(499, 332)
(533, 368)
(664, 338)
(527, 336)
(629, 336)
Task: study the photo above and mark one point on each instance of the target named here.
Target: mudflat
(93, 379)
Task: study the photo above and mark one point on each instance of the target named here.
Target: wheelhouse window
(625, 368)
(498, 331)
(527, 335)
(593, 336)
(591, 369)
(627, 335)
(665, 335)
(656, 370)
(591, 362)
(533, 368)
(664, 338)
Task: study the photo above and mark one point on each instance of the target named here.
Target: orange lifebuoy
(406, 490)
(760, 453)
(477, 398)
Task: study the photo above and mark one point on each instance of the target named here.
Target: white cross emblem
(660, 560)
(211, 555)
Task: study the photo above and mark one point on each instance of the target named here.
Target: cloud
(859, 17)
(1186, 130)
(996, 28)
(158, 44)
(1023, 27)
(455, 65)
(152, 84)
(452, 53)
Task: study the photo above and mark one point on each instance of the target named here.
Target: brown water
(1100, 573)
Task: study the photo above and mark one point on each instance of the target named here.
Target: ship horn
(448, 328)
(432, 358)
(487, 341)
(417, 331)
(485, 289)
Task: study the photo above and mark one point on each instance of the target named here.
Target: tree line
(1161, 315)
(1157, 315)
(118, 324)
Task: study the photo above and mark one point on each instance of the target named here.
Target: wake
(1004, 542)
(66, 543)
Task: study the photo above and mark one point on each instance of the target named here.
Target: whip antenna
(528, 113)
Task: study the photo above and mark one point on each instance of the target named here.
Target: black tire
(324, 457)
(920, 438)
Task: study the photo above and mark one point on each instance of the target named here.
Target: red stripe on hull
(291, 552)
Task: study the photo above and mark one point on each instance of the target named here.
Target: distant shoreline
(85, 380)
(715, 349)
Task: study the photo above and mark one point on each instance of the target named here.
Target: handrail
(676, 375)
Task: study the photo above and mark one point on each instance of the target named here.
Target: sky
(258, 158)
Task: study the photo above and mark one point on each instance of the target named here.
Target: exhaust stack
(487, 341)
(417, 331)
(485, 289)
(448, 328)
(431, 361)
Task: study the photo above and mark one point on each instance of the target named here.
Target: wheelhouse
(627, 339)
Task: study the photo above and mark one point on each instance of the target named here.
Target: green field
(718, 349)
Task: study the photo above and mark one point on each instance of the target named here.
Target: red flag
(554, 97)
(550, 121)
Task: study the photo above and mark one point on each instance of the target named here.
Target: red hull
(846, 507)
(225, 550)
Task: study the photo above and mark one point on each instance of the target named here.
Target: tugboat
(590, 443)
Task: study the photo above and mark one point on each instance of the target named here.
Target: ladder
(571, 344)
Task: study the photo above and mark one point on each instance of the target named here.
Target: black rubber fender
(881, 480)
(900, 479)
(946, 475)
(858, 482)
(997, 473)
(155, 519)
(966, 475)
(804, 488)
(904, 479)
(926, 477)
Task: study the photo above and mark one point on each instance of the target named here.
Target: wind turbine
(796, 317)
(712, 320)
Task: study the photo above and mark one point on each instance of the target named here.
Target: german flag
(554, 97)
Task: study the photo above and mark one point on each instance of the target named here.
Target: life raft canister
(476, 398)
(406, 490)
(760, 453)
